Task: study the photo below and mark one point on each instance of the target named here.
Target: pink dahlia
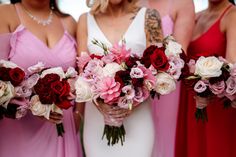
(109, 90)
(120, 52)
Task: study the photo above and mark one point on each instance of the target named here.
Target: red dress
(217, 137)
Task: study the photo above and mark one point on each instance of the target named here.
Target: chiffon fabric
(215, 138)
(32, 136)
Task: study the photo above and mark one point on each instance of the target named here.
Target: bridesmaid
(177, 19)
(48, 37)
(214, 34)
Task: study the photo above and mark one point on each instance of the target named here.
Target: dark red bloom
(131, 62)
(47, 97)
(95, 56)
(64, 104)
(123, 77)
(49, 78)
(159, 60)
(146, 55)
(17, 76)
(137, 82)
(4, 74)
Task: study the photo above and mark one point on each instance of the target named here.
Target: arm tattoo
(153, 26)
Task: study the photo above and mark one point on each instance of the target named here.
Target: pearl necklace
(40, 21)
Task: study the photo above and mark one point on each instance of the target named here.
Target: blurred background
(77, 7)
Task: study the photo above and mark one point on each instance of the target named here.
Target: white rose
(173, 48)
(71, 72)
(165, 84)
(83, 90)
(110, 69)
(6, 93)
(207, 67)
(37, 67)
(58, 70)
(39, 109)
(7, 64)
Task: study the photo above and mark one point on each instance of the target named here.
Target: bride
(110, 21)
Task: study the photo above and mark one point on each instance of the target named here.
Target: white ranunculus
(39, 109)
(83, 90)
(58, 70)
(165, 84)
(7, 64)
(110, 69)
(208, 67)
(37, 67)
(71, 72)
(173, 48)
(6, 93)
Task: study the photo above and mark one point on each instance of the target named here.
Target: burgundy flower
(122, 77)
(64, 104)
(95, 56)
(146, 55)
(17, 76)
(131, 62)
(137, 82)
(4, 74)
(159, 60)
(47, 97)
(49, 78)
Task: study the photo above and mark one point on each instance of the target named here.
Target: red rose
(159, 60)
(123, 77)
(17, 76)
(47, 97)
(57, 87)
(64, 104)
(137, 82)
(131, 62)
(61, 89)
(146, 55)
(49, 78)
(4, 74)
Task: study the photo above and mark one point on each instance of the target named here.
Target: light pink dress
(32, 136)
(166, 108)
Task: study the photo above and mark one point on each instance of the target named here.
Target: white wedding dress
(139, 125)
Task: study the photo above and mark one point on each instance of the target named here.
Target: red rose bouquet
(11, 80)
(52, 93)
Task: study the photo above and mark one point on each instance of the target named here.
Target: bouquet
(210, 75)
(13, 102)
(123, 80)
(52, 92)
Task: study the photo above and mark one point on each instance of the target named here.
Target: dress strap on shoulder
(225, 11)
(18, 12)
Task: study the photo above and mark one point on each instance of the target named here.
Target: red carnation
(159, 60)
(16, 75)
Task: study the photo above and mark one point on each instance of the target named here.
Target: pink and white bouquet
(12, 96)
(210, 76)
(122, 80)
(52, 92)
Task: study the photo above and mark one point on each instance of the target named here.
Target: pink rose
(109, 90)
(120, 52)
(191, 65)
(217, 88)
(136, 73)
(230, 88)
(141, 94)
(200, 86)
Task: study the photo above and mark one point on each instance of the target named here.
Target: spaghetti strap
(225, 11)
(18, 12)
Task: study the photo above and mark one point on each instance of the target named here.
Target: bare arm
(231, 36)
(184, 22)
(153, 27)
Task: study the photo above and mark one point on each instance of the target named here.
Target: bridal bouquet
(52, 92)
(12, 96)
(122, 80)
(211, 76)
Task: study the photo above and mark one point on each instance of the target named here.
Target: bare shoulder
(186, 6)
(231, 15)
(153, 26)
(70, 24)
(82, 23)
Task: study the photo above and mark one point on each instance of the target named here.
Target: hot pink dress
(166, 108)
(32, 136)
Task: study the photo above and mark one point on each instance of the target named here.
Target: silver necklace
(41, 21)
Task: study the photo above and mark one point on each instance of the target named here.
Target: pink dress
(32, 136)
(165, 109)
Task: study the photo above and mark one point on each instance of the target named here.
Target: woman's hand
(55, 117)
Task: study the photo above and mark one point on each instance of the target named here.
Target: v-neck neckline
(123, 36)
